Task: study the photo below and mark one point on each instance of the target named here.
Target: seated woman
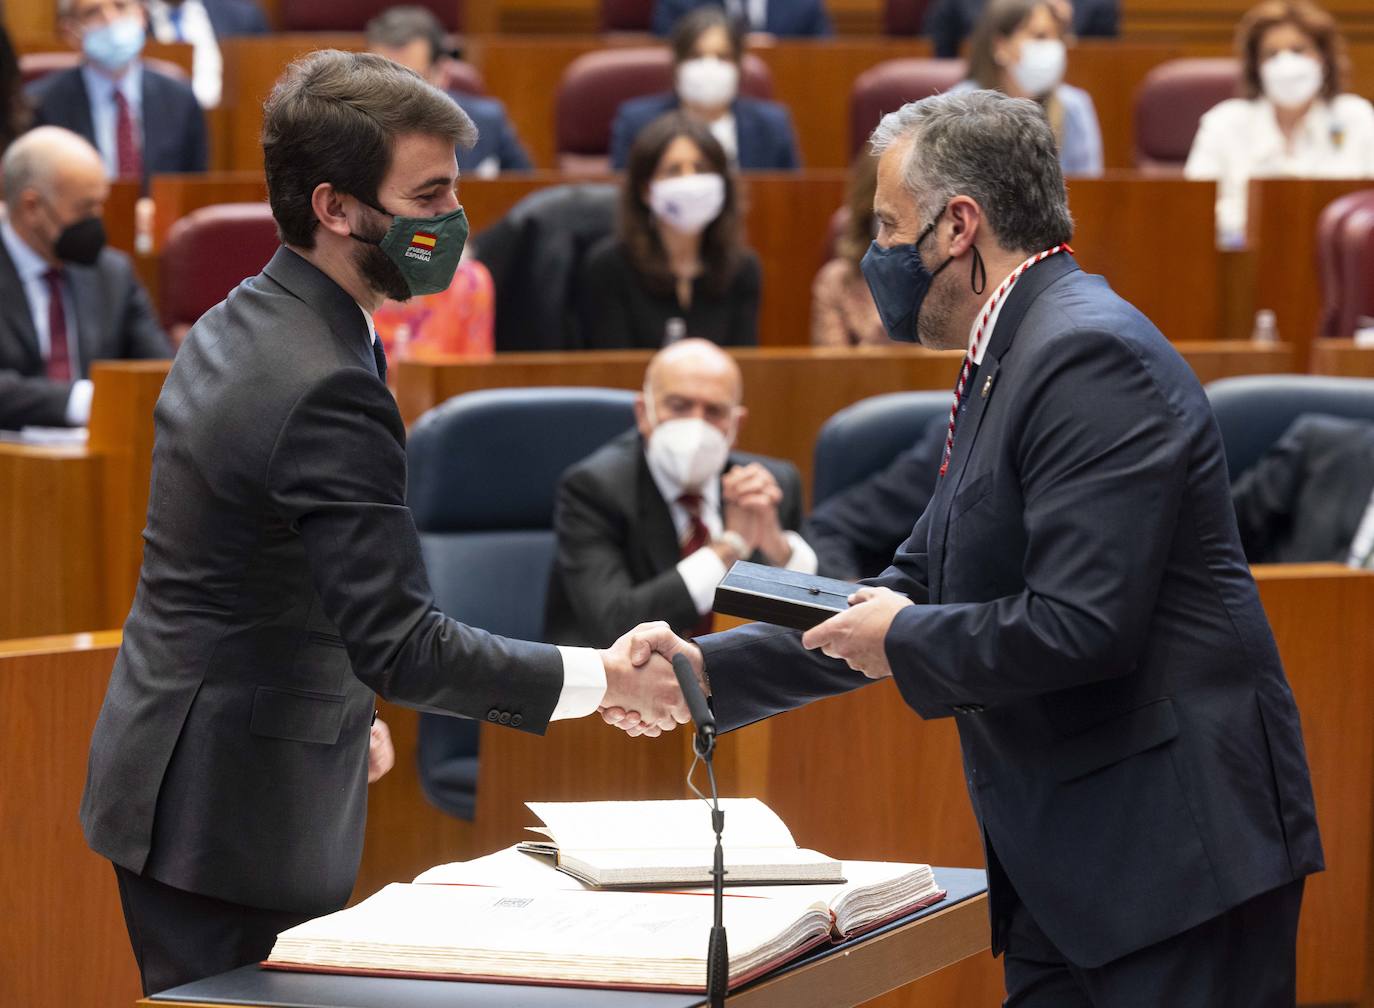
(1292, 120)
(1018, 47)
(842, 309)
(677, 265)
(708, 48)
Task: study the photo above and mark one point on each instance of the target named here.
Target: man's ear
(642, 416)
(328, 204)
(741, 415)
(966, 216)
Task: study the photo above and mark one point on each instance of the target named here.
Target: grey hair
(997, 150)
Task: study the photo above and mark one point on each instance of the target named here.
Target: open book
(549, 929)
(670, 843)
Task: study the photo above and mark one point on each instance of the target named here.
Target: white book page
(507, 869)
(648, 825)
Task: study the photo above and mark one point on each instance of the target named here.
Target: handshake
(642, 692)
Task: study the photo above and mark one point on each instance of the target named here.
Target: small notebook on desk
(670, 843)
(780, 596)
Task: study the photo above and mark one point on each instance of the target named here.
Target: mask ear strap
(978, 274)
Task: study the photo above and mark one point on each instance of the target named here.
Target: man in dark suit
(651, 522)
(142, 122)
(414, 38)
(66, 301)
(203, 24)
(1311, 497)
(949, 22)
(1075, 596)
(708, 54)
(282, 583)
(799, 18)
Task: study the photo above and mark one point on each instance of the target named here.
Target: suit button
(959, 709)
(975, 708)
(515, 720)
(505, 717)
(493, 714)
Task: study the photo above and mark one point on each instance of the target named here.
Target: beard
(934, 324)
(378, 271)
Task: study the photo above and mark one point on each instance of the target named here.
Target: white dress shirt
(100, 92)
(724, 130)
(31, 267)
(1240, 139)
(703, 570)
(207, 65)
(1362, 546)
(584, 677)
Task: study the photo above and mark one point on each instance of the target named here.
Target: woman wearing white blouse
(1293, 119)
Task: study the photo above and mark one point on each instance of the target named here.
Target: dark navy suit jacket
(764, 128)
(782, 17)
(173, 124)
(495, 136)
(235, 17)
(949, 22)
(1131, 746)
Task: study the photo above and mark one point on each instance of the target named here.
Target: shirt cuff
(79, 402)
(803, 557)
(584, 683)
(701, 572)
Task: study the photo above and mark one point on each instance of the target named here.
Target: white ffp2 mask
(707, 81)
(1290, 79)
(688, 202)
(690, 450)
(1041, 66)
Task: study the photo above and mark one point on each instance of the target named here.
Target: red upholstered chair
(890, 85)
(353, 15)
(1170, 103)
(594, 85)
(627, 15)
(904, 17)
(1330, 231)
(208, 253)
(34, 66)
(1353, 296)
(458, 75)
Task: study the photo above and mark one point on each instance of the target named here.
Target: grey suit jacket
(282, 586)
(114, 320)
(618, 550)
(1084, 611)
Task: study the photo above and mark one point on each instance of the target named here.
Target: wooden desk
(1283, 240)
(1342, 357)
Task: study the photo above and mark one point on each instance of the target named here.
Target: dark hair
(14, 106)
(858, 229)
(399, 26)
(999, 151)
(1002, 19)
(721, 242)
(1309, 19)
(696, 22)
(333, 117)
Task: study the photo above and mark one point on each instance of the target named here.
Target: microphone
(702, 716)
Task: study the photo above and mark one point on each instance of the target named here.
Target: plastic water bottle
(1266, 327)
(674, 329)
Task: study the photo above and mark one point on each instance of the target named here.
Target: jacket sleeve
(1101, 457)
(744, 308)
(602, 308)
(38, 401)
(196, 149)
(512, 154)
(140, 334)
(337, 477)
(1265, 495)
(592, 548)
(946, 28)
(623, 131)
(666, 13)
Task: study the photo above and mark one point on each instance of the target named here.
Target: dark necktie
(379, 356)
(697, 536)
(59, 354)
(128, 156)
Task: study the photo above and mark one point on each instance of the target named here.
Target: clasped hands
(642, 694)
(749, 503)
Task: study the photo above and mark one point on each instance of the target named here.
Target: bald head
(52, 178)
(691, 378)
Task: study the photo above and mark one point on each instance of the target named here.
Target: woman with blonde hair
(1291, 119)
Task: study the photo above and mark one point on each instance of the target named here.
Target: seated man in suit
(1311, 497)
(65, 299)
(651, 522)
(708, 52)
(800, 18)
(142, 122)
(202, 23)
(949, 22)
(414, 38)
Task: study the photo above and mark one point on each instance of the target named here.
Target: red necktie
(697, 536)
(59, 356)
(127, 152)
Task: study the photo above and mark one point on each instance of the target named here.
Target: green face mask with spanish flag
(425, 250)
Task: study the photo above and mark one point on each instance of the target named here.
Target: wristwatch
(736, 542)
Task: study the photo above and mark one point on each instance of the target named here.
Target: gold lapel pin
(987, 387)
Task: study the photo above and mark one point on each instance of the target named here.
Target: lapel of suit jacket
(81, 107)
(16, 312)
(746, 133)
(91, 309)
(653, 519)
(154, 138)
(977, 397)
(330, 301)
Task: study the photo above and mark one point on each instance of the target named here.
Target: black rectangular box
(781, 597)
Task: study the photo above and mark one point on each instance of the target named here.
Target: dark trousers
(1244, 958)
(180, 936)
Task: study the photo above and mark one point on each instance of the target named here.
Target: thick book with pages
(612, 844)
(510, 917)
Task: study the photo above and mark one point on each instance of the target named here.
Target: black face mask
(81, 242)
